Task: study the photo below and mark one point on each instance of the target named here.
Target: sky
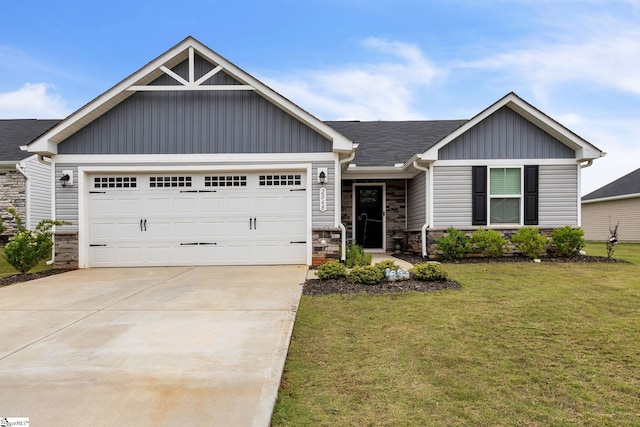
(576, 60)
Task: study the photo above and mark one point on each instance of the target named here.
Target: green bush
(453, 245)
(331, 270)
(429, 272)
(489, 242)
(567, 241)
(529, 241)
(27, 248)
(383, 265)
(355, 256)
(368, 275)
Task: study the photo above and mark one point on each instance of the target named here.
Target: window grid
(169, 181)
(279, 180)
(225, 181)
(114, 182)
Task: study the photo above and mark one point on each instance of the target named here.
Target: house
(25, 181)
(191, 160)
(616, 203)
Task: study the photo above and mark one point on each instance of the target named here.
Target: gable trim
(584, 150)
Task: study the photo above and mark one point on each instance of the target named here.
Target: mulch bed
(9, 280)
(414, 259)
(342, 286)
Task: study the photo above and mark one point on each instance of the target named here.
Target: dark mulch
(342, 286)
(415, 259)
(10, 280)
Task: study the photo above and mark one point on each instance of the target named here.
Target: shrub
(355, 256)
(331, 270)
(383, 265)
(489, 242)
(27, 248)
(529, 241)
(567, 241)
(429, 272)
(453, 245)
(368, 275)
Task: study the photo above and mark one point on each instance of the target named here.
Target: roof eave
(611, 198)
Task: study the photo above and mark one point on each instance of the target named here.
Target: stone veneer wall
(66, 249)
(396, 213)
(13, 192)
(330, 249)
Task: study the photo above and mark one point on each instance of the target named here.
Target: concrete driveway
(197, 346)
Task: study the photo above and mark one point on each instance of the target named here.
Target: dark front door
(369, 216)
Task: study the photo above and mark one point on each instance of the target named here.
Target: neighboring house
(190, 160)
(25, 182)
(616, 203)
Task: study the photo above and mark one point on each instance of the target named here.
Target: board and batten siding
(505, 135)
(39, 182)
(452, 196)
(599, 217)
(557, 195)
(416, 202)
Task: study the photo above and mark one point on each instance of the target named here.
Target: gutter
(343, 229)
(423, 230)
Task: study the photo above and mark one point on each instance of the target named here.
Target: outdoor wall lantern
(322, 175)
(66, 178)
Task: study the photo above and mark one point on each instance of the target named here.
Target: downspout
(423, 230)
(41, 159)
(343, 229)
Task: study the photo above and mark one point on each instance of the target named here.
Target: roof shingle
(628, 184)
(17, 132)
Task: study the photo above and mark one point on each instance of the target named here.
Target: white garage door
(197, 219)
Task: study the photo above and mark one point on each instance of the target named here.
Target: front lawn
(520, 344)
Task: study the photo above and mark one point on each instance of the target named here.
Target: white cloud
(384, 90)
(33, 100)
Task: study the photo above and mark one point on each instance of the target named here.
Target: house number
(323, 199)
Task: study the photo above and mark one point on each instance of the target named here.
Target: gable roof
(47, 143)
(17, 132)
(628, 185)
(585, 151)
(383, 143)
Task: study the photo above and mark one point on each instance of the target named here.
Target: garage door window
(114, 182)
(279, 180)
(169, 181)
(225, 181)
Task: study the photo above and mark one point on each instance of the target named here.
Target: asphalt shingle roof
(628, 184)
(14, 133)
(385, 143)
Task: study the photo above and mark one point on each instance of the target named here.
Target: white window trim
(505, 196)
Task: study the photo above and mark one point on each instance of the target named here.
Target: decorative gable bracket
(192, 83)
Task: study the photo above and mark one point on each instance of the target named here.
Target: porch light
(322, 175)
(64, 179)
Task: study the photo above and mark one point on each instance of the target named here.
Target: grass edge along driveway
(520, 344)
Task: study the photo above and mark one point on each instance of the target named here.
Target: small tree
(27, 248)
(612, 241)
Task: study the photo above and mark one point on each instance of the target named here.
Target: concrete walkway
(147, 346)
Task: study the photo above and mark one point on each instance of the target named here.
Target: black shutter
(531, 195)
(479, 195)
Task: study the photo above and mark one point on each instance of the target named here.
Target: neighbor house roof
(628, 185)
(17, 132)
(383, 143)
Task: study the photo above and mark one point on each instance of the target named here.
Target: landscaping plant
(612, 241)
(331, 270)
(356, 256)
(567, 241)
(453, 245)
(429, 272)
(383, 265)
(367, 275)
(489, 242)
(28, 247)
(529, 241)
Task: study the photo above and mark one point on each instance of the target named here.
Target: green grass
(521, 344)
(8, 270)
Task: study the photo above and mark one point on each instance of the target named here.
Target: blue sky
(577, 60)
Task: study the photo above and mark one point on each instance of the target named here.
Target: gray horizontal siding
(557, 200)
(505, 135)
(326, 218)
(39, 182)
(195, 122)
(416, 202)
(67, 198)
(452, 196)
